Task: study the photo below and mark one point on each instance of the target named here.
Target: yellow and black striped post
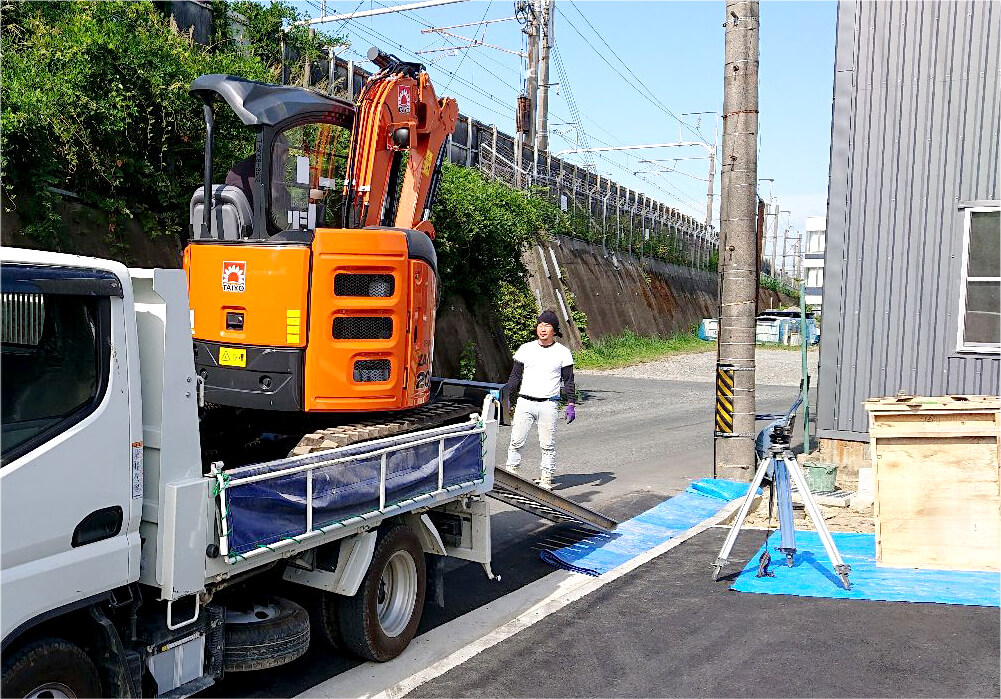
(724, 400)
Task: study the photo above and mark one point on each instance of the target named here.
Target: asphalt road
(635, 443)
(666, 629)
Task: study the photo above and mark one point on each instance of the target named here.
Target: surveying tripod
(779, 464)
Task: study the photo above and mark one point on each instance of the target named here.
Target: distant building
(911, 277)
(815, 235)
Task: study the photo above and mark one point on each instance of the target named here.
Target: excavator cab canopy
(263, 104)
(294, 179)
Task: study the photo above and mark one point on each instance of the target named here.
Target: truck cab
(72, 463)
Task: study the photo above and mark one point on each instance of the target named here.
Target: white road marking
(452, 644)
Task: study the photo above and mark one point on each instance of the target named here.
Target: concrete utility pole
(526, 103)
(307, 71)
(785, 241)
(735, 458)
(532, 70)
(545, 44)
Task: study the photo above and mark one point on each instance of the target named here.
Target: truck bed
(269, 506)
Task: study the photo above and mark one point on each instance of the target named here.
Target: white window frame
(961, 344)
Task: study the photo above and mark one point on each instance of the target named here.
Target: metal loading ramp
(525, 495)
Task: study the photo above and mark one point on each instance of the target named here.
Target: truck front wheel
(379, 622)
(50, 667)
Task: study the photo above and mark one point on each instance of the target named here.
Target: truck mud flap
(525, 495)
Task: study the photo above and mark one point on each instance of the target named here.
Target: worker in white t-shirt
(542, 373)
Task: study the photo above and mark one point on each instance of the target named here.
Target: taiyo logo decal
(403, 103)
(234, 276)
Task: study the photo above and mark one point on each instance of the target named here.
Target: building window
(980, 296)
(815, 241)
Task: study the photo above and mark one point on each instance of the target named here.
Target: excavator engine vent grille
(371, 370)
(378, 285)
(362, 328)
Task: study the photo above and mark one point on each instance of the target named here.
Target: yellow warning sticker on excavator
(231, 356)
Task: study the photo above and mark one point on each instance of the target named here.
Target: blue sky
(662, 59)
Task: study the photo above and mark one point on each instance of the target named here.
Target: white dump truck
(132, 565)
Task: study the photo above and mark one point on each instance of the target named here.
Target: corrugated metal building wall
(915, 134)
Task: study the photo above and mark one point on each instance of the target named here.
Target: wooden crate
(936, 481)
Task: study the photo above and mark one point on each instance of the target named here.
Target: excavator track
(422, 418)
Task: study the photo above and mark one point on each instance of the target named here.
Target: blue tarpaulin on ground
(267, 511)
(603, 552)
(812, 575)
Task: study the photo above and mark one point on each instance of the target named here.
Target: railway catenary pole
(734, 420)
(545, 44)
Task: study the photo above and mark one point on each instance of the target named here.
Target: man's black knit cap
(548, 316)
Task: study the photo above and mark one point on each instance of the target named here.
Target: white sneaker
(544, 481)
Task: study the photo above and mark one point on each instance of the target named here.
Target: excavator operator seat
(231, 214)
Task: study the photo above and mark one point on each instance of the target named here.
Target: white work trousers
(527, 412)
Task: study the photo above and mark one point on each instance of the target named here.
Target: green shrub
(483, 226)
(518, 312)
(779, 286)
(467, 361)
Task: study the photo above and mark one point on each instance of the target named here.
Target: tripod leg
(731, 537)
(840, 567)
(787, 527)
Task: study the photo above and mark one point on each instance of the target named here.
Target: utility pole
(532, 70)
(735, 429)
(525, 113)
(785, 241)
(545, 44)
(307, 71)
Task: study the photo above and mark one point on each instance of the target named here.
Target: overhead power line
(506, 112)
(645, 92)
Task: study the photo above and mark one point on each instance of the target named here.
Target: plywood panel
(937, 482)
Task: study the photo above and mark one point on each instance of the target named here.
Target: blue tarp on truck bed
(267, 511)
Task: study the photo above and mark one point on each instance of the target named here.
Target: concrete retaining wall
(622, 292)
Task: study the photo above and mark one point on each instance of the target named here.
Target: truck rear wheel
(265, 634)
(50, 667)
(379, 622)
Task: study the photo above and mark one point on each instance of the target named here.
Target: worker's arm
(569, 392)
(514, 381)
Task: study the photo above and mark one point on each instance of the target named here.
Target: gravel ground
(773, 367)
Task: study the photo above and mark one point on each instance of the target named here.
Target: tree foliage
(262, 32)
(483, 227)
(95, 101)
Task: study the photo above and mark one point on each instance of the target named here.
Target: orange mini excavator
(312, 273)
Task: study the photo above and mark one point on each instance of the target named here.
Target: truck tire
(379, 621)
(323, 614)
(265, 634)
(50, 667)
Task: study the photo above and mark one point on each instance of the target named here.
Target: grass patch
(627, 348)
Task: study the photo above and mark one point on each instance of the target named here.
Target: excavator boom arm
(399, 114)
